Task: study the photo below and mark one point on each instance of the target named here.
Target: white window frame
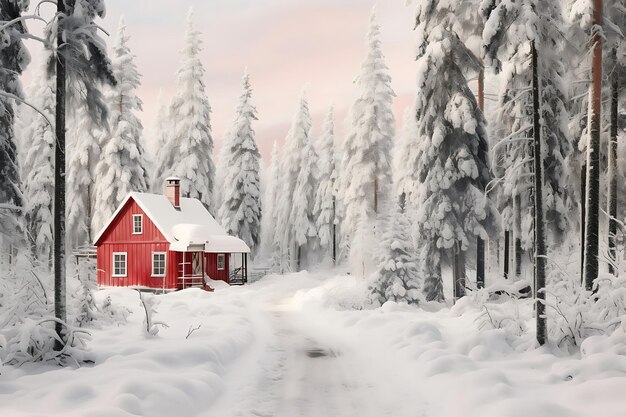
(223, 257)
(140, 217)
(164, 264)
(125, 254)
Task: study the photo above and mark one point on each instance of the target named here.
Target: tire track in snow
(297, 375)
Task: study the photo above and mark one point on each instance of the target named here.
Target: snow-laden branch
(22, 19)
(22, 101)
(11, 207)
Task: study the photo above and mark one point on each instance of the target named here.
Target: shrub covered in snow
(396, 278)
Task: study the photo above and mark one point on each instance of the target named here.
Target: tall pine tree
(366, 164)
(83, 154)
(38, 137)
(188, 153)
(514, 120)
(13, 60)
(448, 158)
(296, 142)
(302, 216)
(161, 125)
(240, 212)
(269, 222)
(325, 197)
(122, 166)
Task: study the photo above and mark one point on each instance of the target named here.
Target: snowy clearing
(297, 345)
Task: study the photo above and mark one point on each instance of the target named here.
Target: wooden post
(204, 285)
(184, 263)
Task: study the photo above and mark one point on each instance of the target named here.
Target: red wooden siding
(211, 267)
(119, 237)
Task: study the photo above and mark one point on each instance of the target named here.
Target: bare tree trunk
(376, 195)
(334, 231)
(583, 218)
(480, 244)
(518, 231)
(298, 258)
(458, 272)
(540, 240)
(519, 252)
(612, 174)
(593, 156)
(59, 186)
(507, 245)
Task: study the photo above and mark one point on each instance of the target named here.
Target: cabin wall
(138, 247)
(211, 267)
(138, 265)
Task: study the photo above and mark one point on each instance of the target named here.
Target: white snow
(308, 344)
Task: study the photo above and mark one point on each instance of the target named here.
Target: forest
(509, 202)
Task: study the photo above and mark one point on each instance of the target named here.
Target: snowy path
(300, 346)
(304, 369)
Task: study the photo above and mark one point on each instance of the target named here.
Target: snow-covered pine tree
(221, 167)
(366, 161)
(240, 212)
(325, 197)
(83, 154)
(302, 216)
(161, 126)
(121, 167)
(293, 160)
(403, 183)
(396, 277)
(269, 223)
(38, 137)
(14, 58)
(580, 30)
(448, 158)
(508, 33)
(188, 154)
(514, 120)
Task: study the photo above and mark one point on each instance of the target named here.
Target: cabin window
(137, 224)
(221, 262)
(119, 264)
(158, 264)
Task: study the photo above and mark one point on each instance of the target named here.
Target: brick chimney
(172, 191)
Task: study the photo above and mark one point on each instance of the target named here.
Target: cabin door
(196, 264)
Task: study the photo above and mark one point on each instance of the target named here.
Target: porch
(195, 267)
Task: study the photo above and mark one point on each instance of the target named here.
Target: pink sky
(287, 45)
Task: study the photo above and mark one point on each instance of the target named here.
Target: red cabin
(166, 242)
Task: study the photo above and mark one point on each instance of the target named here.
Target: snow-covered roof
(187, 235)
(189, 225)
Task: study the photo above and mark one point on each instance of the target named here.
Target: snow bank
(310, 344)
(167, 375)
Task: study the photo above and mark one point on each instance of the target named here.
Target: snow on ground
(303, 345)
